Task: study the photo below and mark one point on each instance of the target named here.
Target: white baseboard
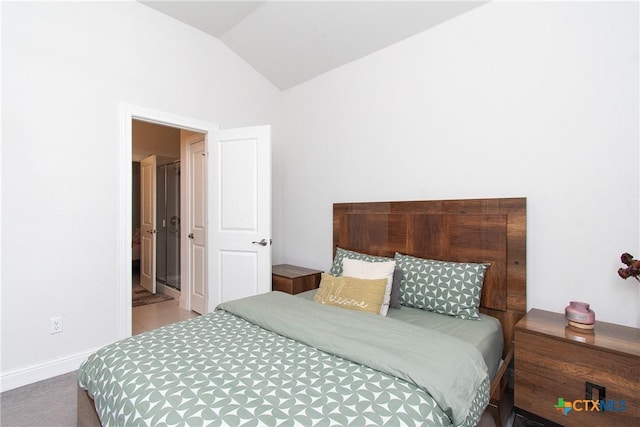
(42, 371)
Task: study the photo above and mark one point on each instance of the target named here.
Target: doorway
(162, 212)
(237, 209)
(154, 147)
(129, 114)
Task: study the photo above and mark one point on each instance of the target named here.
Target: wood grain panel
(618, 339)
(547, 370)
(476, 230)
(553, 360)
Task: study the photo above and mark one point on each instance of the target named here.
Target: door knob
(190, 235)
(262, 242)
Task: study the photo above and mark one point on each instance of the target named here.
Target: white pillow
(371, 270)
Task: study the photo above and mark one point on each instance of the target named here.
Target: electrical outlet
(55, 325)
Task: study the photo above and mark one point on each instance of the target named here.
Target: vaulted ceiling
(290, 42)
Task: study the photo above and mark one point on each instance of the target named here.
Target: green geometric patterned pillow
(336, 268)
(451, 288)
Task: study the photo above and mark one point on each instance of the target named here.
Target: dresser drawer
(549, 369)
(282, 284)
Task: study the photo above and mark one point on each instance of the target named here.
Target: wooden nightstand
(554, 361)
(293, 279)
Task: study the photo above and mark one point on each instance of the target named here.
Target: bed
(278, 359)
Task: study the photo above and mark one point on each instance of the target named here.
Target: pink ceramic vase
(579, 312)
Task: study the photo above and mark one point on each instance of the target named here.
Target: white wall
(66, 67)
(511, 99)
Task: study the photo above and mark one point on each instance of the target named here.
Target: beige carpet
(48, 403)
(143, 297)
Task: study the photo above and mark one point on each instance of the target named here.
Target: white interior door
(148, 224)
(240, 197)
(197, 226)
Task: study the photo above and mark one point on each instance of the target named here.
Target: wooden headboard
(476, 230)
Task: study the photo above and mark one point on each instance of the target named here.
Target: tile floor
(152, 316)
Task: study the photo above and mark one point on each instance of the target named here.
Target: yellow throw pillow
(351, 293)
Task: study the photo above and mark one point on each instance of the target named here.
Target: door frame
(128, 113)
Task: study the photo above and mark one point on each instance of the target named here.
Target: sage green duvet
(278, 360)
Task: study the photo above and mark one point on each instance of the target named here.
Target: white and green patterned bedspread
(220, 369)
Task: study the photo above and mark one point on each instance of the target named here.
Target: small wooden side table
(293, 279)
(576, 378)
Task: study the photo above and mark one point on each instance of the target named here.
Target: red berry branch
(633, 267)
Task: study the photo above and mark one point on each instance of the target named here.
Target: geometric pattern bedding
(450, 288)
(219, 369)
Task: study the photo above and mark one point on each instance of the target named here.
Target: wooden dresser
(557, 366)
(293, 279)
